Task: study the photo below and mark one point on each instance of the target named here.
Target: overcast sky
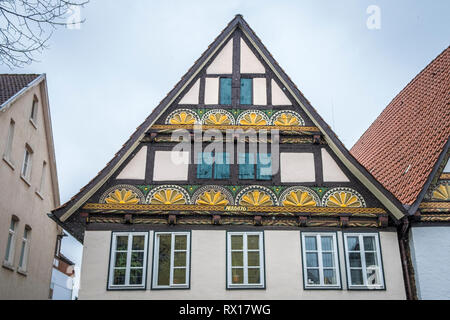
(107, 76)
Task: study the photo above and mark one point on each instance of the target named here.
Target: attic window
(34, 108)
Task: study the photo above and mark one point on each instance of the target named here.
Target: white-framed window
(43, 174)
(171, 260)
(9, 141)
(11, 244)
(320, 260)
(34, 110)
(128, 264)
(25, 248)
(363, 260)
(245, 260)
(26, 166)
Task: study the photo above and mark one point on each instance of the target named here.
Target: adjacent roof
(10, 84)
(62, 213)
(403, 146)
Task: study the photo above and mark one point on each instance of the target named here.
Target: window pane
(137, 259)
(356, 276)
(254, 275)
(8, 247)
(180, 242)
(253, 258)
(237, 259)
(355, 259)
(353, 243)
(327, 243)
(22, 251)
(329, 276)
(119, 276)
(372, 277)
(237, 275)
(310, 243)
(121, 260)
(138, 243)
(311, 260)
(179, 259)
(179, 276)
(327, 260)
(136, 276)
(253, 242)
(371, 260)
(164, 259)
(222, 166)
(313, 276)
(246, 91)
(246, 163)
(12, 225)
(369, 243)
(225, 91)
(236, 242)
(264, 167)
(122, 243)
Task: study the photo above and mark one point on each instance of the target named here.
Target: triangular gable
(336, 146)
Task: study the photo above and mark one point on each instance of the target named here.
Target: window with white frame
(171, 260)
(23, 261)
(128, 263)
(43, 174)
(245, 260)
(363, 260)
(7, 153)
(10, 245)
(26, 166)
(34, 109)
(320, 260)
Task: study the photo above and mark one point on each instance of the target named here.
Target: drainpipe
(403, 244)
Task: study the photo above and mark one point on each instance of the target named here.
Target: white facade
(430, 252)
(62, 286)
(282, 265)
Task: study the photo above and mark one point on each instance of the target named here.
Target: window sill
(246, 287)
(9, 163)
(8, 266)
(25, 180)
(39, 194)
(22, 272)
(33, 123)
(323, 288)
(356, 288)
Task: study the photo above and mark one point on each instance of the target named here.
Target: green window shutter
(264, 167)
(204, 167)
(246, 91)
(225, 91)
(246, 163)
(222, 166)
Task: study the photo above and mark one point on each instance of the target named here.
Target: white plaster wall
(191, 97)
(171, 166)
(259, 91)
(135, 169)
(208, 270)
(297, 167)
(331, 171)
(211, 90)
(224, 60)
(430, 250)
(279, 98)
(249, 62)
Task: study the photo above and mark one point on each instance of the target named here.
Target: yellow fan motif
(344, 199)
(253, 119)
(168, 196)
(256, 198)
(182, 117)
(286, 119)
(212, 198)
(299, 198)
(122, 196)
(442, 192)
(217, 118)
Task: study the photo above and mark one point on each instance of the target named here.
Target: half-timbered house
(407, 150)
(296, 218)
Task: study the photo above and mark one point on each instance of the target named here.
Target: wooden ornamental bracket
(128, 218)
(343, 221)
(383, 221)
(257, 220)
(172, 219)
(316, 139)
(216, 219)
(302, 220)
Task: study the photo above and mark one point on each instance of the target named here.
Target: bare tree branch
(27, 25)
